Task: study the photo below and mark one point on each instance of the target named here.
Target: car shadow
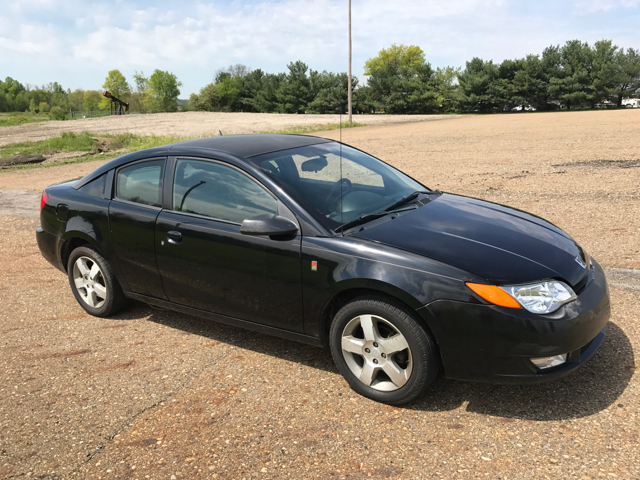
(277, 347)
(592, 388)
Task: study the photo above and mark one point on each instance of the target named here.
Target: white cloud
(30, 40)
(592, 6)
(77, 42)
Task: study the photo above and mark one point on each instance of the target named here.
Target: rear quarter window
(95, 187)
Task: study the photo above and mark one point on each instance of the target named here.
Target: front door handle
(174, 237)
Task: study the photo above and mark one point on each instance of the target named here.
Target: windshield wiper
(364, 219)
(391, 209)
(360, 220)
(406, 199)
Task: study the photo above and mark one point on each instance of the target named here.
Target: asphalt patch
(625, 278)
(601, 164)
(19, 202)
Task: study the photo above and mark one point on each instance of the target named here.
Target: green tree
(445, 83)
(250, 86)
(163, 91)
(57, 113)
(43, 107)
(530, 84)
(477, 90)
(91, 100)
(293, 93)
(138, 97)
(76, 100)
(605, 71)
(266, 98)
(117, 85)
(229, 89)
(627, 77)
(363, 101)
(14, 96)
(571, 83)
(207, 100)
(329, 92)
(401, 80)
(401, 56)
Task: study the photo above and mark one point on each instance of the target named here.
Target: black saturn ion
(315, 241)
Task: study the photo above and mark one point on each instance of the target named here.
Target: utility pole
(349, 81)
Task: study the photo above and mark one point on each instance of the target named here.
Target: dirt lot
(154, 394)
(193, 124)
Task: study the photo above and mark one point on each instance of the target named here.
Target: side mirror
(268, 225)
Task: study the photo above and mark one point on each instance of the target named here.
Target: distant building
(631, 102)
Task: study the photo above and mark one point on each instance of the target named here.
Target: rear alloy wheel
(382, 351)
(89, 282)
(93, 283)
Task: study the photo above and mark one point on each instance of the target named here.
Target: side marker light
(495, 295)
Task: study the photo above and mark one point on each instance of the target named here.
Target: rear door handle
(174, 237)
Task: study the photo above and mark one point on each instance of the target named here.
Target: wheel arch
(70, 242)
(352, 290)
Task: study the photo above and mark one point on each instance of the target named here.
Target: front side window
(219, 191)
(141, 183)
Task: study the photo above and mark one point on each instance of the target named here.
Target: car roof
(238, 146)
(249, 145)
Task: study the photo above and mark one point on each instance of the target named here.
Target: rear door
(136, 203)
(206, 263)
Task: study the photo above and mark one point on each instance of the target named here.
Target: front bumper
(495, 344)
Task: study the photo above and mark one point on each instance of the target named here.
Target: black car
(316, 241)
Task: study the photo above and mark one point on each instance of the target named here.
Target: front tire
(93, 283)
(382, 351)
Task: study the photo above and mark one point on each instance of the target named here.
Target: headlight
(543, 297)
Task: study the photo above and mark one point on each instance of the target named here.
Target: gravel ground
(160, 395)
(192, 124)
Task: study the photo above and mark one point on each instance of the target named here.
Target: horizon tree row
(399, 81)
(157, 93)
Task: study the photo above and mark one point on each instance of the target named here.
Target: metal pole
(349, 81)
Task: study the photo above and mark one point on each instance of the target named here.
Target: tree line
(156, 93)
(400, 81)
(575, 75)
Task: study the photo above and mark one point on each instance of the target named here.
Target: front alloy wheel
(382, 350)
(377, 353)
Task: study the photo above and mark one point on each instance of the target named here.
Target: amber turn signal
(495, 295)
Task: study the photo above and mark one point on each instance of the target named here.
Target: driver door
(206, 263)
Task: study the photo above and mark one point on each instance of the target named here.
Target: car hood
(501, 244)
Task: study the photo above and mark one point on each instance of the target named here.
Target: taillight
(43, 200)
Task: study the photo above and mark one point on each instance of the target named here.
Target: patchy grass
(67, 142)
(119, 144)
(12, 118)
(132, 143)
(304, 129)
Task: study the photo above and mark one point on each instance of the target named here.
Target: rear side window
(141, 183)
(95, 187)
(218, 191)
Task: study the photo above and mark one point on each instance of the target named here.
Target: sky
(76, 42)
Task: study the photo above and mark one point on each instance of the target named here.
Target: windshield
(336, 192)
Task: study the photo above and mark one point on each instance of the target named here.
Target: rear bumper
(48, 245)
(495, 344)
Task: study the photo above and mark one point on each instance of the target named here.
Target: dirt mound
(20, 160)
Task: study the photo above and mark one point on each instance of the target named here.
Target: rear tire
(382, 351)
(93, 283)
